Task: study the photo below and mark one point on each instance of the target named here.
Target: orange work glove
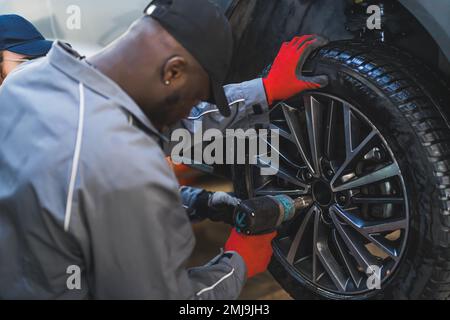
(285, 79)
(255, 250)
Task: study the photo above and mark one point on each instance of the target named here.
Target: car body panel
(434, 15)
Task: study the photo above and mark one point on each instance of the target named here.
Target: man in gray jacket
(89, 207)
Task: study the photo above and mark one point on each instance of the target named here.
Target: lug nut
(342, 199)
(378, 155)
(330, 173)
(375, 155)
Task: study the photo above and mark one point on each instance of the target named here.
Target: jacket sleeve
(249, 107)
(189, 199)
(142, 238)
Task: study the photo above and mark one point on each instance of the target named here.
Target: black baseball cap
(18, 35)
(203, 30)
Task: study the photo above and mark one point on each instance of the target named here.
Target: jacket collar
(71, 63)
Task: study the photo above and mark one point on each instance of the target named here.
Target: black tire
(408, 104)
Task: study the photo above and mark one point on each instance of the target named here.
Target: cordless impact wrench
(265, 214)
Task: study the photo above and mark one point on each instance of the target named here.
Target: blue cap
(18, 35)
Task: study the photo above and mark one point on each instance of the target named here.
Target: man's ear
(174, 69)
(2, 78)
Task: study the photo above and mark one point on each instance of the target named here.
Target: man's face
(8, 62)
(195, 90)
(182, 95)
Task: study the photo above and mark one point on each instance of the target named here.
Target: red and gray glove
(216, 206)
(255, 250)
(285, 79)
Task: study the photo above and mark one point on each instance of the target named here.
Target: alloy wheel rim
(356, 231)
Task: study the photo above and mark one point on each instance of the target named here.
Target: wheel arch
(264, 25)
(434, 16)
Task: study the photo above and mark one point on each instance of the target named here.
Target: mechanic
(84, 182)
(20, 42)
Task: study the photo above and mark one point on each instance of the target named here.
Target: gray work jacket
(89, 208)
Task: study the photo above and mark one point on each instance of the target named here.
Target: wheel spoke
(283, 133)
(284, 174)
(315, 249)
(368, 143)
(354, 273)
(348, 130)
(314, 121)
(370, 230)
(299, 236)
(374, 199)
(281, 155)
(292, 119)
(331, 123)
(377, 176)
(387, 247)
(322, 250)
(357, 249)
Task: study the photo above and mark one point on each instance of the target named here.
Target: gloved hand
(217, 206)
(222, 207)
(282, 81)
(255, 250)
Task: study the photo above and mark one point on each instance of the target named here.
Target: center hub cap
(322, 193)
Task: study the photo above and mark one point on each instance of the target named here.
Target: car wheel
(373, 150)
